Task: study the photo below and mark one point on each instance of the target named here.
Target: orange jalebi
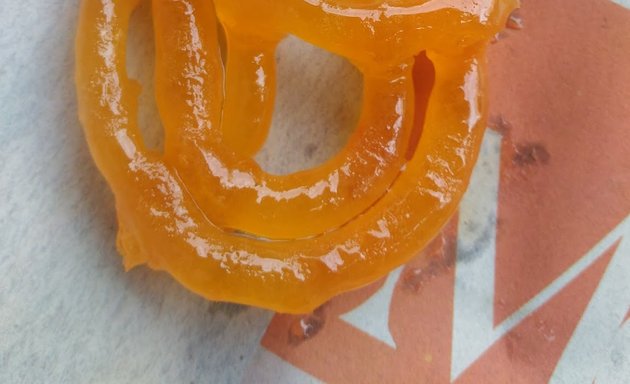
(208, 214)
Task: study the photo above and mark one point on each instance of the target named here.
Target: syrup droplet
(499, 36)
(306, 327)
(515, 21)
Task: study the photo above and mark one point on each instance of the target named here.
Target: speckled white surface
(68, 312)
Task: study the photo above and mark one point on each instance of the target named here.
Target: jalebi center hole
(318, 103)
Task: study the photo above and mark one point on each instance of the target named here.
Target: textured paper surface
(529, 283)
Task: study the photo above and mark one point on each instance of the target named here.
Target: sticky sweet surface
(204, 210)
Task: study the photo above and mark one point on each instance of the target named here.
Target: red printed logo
(530, 283)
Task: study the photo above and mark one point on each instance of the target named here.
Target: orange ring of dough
(230, 186)
(162, 222)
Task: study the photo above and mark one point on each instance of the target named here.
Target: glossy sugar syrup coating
(209, 215)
